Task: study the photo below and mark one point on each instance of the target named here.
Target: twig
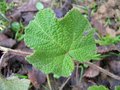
(103, 70)
(61, 88)
(23, 53)
(1, 59)
(15, 52)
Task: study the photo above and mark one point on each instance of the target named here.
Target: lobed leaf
(58, 42)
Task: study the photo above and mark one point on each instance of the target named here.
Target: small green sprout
(18, 29)
(21, 76)
(4, 22)
(15, 26)
(108, 40)
(39, 6)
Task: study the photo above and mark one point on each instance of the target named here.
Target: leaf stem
(48, 81)
(81, 73)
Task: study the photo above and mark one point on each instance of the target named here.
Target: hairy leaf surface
(94, 87)
(13, 83)
(57, 42)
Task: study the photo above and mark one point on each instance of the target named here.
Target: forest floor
(104, 15)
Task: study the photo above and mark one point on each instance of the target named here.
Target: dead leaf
(8, 43)
(102, 9)
(3, 37)
(100, 27)
(27, 17)
(110, 31)
(92, 72)
(105, 49)
(26, 7)
(36, 77)
(60, 12)
(114, 66)
(111, 3)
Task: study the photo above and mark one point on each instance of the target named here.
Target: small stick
(15, 52)
(2, 58)
(23, 53)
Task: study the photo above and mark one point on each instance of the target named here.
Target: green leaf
(4, 22)
(39, 6)
(117, 87)
(14, 83)
(58, 42)
(94, 87)
(108, 40)
(3, 6)
(15, 26)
